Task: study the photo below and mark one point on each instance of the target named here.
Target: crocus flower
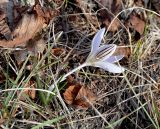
(102, 56)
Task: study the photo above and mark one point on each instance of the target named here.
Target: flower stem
(66, 75)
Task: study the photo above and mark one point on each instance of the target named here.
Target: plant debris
(31, 93)
(137, 24)
(78, 96)
(47, 52)
(113, 7)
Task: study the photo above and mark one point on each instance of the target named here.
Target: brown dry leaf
(57, 51)
(33, 47)
(126, 51)
(114, 6)
(71, 93)
(47, 14)
(83, 94)
(137, 24)
(114, 26)
(30, 93)
(29, 26)
(155, 67)
(78, 96)
(36, 47)
(4, 28)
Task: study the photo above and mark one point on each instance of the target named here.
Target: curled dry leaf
(30, 93)
(137, 24)
(78, 96)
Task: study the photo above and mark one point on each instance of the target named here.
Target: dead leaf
(139, 3)
(30, 93)
(137, 24)
(57, 51)
(47, 14)
(78, 96)
(155, 67)
(126, 51)
(36, 47)
(114, 26)
(4, 28)
(28, 27)
(106, 16)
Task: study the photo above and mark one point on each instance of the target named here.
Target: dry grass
(128, 100)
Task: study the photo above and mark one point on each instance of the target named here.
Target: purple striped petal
(104, 52)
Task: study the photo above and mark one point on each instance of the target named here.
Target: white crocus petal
(97, 40)
(113, 59)
(105, 51)
(109, 67)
